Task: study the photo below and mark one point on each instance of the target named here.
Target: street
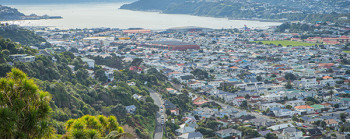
(158, 133)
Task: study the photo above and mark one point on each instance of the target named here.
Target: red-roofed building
(326, 64)
(326, 77)
(238, 100)
(180, 64)
(134, 68)
(199, 101)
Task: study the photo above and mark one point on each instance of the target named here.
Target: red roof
(180, 64)
(344, 37)
(239, 98)
(133, 68)
(199, 101)
(326, 64)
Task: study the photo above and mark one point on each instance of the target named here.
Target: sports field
(346, 51)
(287, 43)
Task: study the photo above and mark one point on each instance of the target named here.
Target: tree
(94, 127)
(295, 118)
(119, 111)
(4, 68)
(168, 112)
(136, 62)
(244, 105)
(289, 85)
(259, 78)
(336, 105)
(290, 76)
(331, 93)
(200, 74)
(271, 136)
(342, 117)
(100, 75)
(24, 111)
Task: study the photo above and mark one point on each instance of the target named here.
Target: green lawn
(287, 43)
(346, 51)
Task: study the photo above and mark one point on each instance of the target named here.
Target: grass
(287, 43)
(346, 51)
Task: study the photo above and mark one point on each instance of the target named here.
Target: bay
(96, 15)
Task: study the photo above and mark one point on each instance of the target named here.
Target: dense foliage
(75, 93)
(93, 127)
(21, 35)
(24, 108)
(296, 27)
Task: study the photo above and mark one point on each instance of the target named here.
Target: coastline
(229, 18)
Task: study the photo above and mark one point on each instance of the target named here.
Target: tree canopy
(24, 108)
(93, 127)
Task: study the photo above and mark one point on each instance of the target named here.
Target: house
(22, 58)
(136, 96)
(280, 126)
(131, 83)
(314, 133)
(345, 102)
(272, 97)
(234, 134)
(26, 59)
(184, 129)
(295, 103)
(285, 113)
(317, 107)
(266, 106)
(196, 85)
(169, 105)
(171, 90)
(186, 78)
(307, 82)
(190, 121)
(238, 101)
(215, 84)
(193, 135)
(199, 101)
(304, 108)
(291, 133)
(327, 82)
(109, 75)
(130, 109)
(331, 122)
(16, 56)
(260, 122)
(90, 62)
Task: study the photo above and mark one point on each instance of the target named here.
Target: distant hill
(54, 1)
(21, 35)
(281, 10)
(8, 13)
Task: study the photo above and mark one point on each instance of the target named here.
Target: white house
(27, 59)
(294, 103)
(234, 134)
(291, 133)
(193, 135)
(90, 62)
(307, 82)
(266, 106)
